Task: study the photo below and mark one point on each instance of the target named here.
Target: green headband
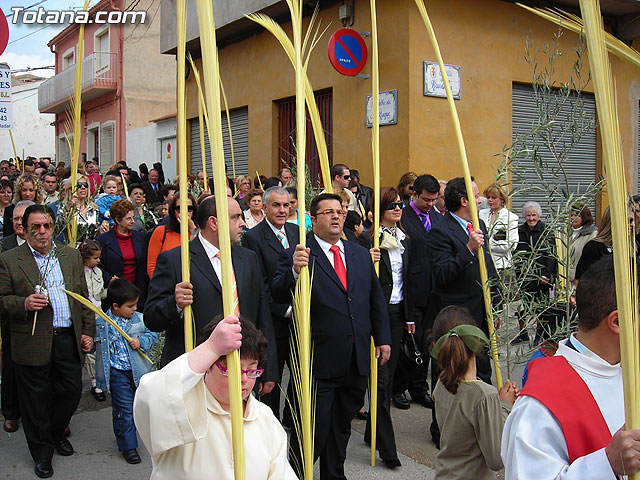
(474, 339)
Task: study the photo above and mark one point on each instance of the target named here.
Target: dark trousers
(385, 438)
(49, 395)
(123, 389)
(273, 399)
(409, 375)
(337, 401)
(9, 388)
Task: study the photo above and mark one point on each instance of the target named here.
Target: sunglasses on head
(82, 185)
(393, 205)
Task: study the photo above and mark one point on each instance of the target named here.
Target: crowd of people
(423, 307)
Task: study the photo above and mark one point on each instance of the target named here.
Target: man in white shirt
(568, 421)
(168, 294)
(340, 176)
(50, 186)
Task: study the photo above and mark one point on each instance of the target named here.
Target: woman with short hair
(124, 250)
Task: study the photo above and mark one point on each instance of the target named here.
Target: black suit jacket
(152, 196)
(420, 263)
(8, 243)
(341, 320)
(264, 242)
(161, 313)
(456, 274)
(112, 261)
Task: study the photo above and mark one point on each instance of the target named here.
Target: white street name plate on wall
(433, 84)
(388, 109)
(5, 97)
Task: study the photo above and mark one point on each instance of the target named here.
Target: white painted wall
(31, 129)
(144, 145)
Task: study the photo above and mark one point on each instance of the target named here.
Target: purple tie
(426, 221)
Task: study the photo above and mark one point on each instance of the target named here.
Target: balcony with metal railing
(99, 76)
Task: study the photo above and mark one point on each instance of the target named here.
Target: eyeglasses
(38, 226)
(331, 212)
(429, 200)
(393, 205)
(253, 373)
(82, 185)
(347, 177)
(189, 207)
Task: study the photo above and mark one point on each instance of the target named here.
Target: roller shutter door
(240, 133)
(580, 164)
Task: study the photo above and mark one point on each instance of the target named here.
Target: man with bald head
(168, 294)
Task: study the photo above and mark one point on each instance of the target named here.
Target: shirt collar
(209, 247)
(415, 209)
(275, 229)
(326, 246)
(463, 223)
(34, 252)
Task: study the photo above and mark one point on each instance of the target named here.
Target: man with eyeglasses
(347, 309)
(340, 176)
(50, 188)
(48, 363)
(417, 219)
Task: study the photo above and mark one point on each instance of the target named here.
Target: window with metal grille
(287, 135)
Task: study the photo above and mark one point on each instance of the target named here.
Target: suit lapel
(270, 237)
(322, 260)
(456, 230)
(65, 266)
(28, 264)
(200, 260)
(293, 235)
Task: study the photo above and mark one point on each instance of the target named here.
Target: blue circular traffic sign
(347, 52)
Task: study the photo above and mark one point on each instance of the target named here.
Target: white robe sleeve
(534, 448)
(166, 416)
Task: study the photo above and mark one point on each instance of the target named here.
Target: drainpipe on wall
(121, 136)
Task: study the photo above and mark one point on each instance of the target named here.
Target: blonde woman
(243, 184)
(27, 187)
(502, 226)
(76, 199)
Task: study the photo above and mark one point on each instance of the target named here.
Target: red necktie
(339, 266)
(470, 228)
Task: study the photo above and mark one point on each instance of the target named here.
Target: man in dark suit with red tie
(268, 239)
(347, 308)
(417, 220)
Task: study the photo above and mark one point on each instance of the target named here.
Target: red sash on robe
(555, 384)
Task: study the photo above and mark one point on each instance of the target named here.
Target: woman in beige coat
(584, 230)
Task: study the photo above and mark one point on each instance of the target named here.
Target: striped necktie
(236, 302)
(283, 239)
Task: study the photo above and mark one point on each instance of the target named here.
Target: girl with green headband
(471, 413)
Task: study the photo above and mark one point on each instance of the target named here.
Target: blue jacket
(135, 329)
(104, 202)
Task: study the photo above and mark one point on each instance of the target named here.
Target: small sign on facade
(433, 83)
(388, 109)
(5, 97)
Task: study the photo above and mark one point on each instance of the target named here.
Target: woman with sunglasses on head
(182, 411)
(167, 236)
(75, 200)
(471, 413)
(393, 258)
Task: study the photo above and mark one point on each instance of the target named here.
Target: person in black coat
(417, 219)
(153, 188)
(393, 272)
(168, 294)
(347, 309)
(453, 247)
(132, 262)
(268, 239)
(534, 240)
(597, 248)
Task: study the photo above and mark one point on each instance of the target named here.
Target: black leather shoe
(523, 337)
(425, 400)
(131, 456)
(362, 415)
(400, 401)
(64, 447)
(98, 394)
(44, 469)
(393, 463)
